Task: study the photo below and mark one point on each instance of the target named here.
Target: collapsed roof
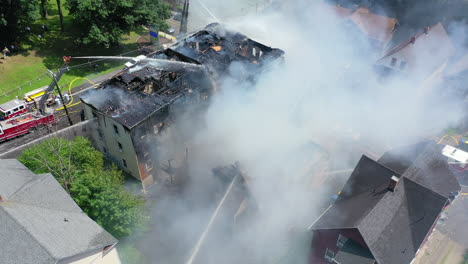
(132, 96)
(40, 222)
(217, 47)
(393, 222)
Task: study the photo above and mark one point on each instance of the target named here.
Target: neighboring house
(378, 29)
(387, 208)
(40, 223)
(134, 108)
(422, 54)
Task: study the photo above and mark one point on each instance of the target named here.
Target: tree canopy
(97, 190)
(104, 22)
(14, 16)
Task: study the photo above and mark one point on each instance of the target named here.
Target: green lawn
(22, 70)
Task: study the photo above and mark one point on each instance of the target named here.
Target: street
(61, 120)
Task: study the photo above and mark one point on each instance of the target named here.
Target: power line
(45, 74)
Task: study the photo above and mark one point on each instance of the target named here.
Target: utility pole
(61, 97)
(184, 21)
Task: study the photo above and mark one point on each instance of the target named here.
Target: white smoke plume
(326, 95)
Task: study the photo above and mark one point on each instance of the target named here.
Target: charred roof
(217, 47)
(132, 96)
(135, 94)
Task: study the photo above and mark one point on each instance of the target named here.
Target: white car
(135, 61)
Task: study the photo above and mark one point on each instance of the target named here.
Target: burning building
(135, 104)
(133, 109)
(387, 208)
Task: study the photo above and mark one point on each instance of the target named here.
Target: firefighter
(5, 51)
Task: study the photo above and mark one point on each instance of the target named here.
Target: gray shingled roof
(424, 164)
(393, 224)
(40, 221)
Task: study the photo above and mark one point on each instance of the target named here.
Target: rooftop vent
(393, 183)
(426, 30)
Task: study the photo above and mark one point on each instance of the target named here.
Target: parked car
(134, 61)
(170, 31)
(177, 17)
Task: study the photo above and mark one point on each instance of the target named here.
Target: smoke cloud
(319, 111)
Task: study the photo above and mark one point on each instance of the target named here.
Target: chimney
(426, 30)
(413, 40)
(393, 183)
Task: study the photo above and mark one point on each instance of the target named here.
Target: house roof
(358, 197)
(425, 164)
(458, 67)
(128, 108)
(42, 223)
(375, 26)
(432, 42)
(392, 223)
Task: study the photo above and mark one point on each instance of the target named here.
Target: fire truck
(19, 117)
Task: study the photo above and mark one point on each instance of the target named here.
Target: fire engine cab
(12, 108)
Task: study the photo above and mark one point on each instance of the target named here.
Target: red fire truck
(23, 124)
(19, 119)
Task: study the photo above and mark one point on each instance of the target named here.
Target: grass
(37, 55)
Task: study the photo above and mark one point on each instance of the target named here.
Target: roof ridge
(44, 207)
(406, 43)
(422, 186)
(32, 180)
(369, 211)
(29, 234)
(366, 213)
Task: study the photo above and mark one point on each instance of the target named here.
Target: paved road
(62, 121)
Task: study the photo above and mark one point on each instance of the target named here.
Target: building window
(116, 129)
(124, 163)
(329, 255)
(120, 147)
(149, 166)
(100, 134)
(402, 65)
(393, 63)
(341, 241)
(104, 150)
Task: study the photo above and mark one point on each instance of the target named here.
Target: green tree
(104, 22)
(103, 198)
(98, 191)
(64, 159)
(59, 7)
(44, 12)
(14, 16)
